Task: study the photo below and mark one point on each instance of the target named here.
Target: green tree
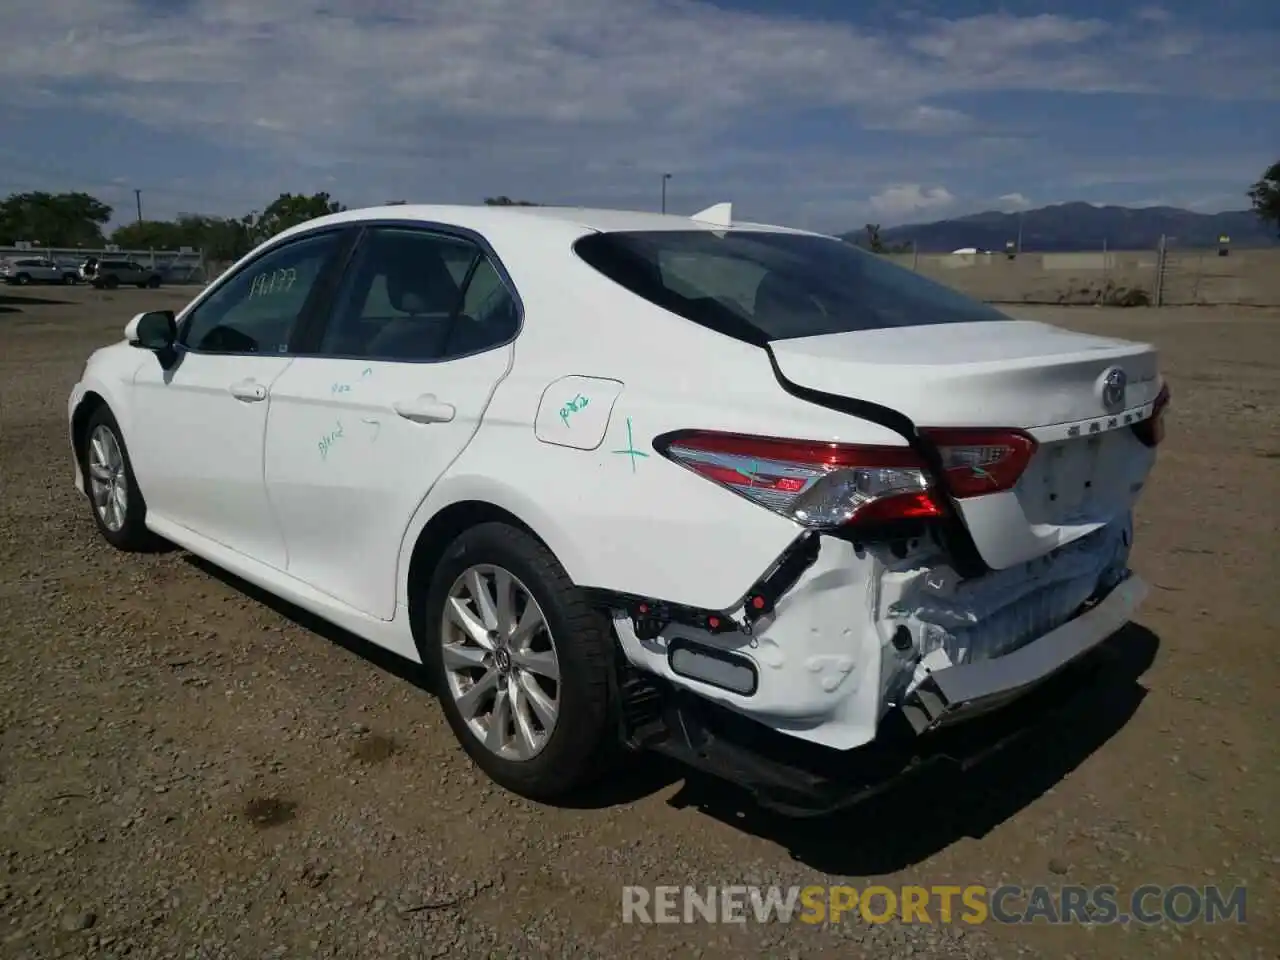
(507, 202)
(147, 235)
(53, 219)
(289, 210)
(1265, 195)
(225, 238)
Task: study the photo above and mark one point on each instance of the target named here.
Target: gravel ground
(190, 769)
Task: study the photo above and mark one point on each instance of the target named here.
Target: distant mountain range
(1080, 226)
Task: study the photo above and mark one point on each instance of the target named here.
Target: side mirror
(156, 330)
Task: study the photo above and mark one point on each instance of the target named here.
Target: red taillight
(1151, 430)
(820, 485)
(825, 485)
(979, 462)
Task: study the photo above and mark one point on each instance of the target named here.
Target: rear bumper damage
(874, 660)
(862, 627)
(963, 691)
(956, 717)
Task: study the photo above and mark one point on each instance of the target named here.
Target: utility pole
(137, 195)
(665, 178)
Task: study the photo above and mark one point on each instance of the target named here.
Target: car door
(198, 425)
(389, 393)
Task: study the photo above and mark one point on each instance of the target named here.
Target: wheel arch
(95, 394)
(89, 404)
(447, 513)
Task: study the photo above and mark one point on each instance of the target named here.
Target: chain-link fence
(1167, 276)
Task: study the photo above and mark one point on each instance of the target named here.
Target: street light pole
(665, 178)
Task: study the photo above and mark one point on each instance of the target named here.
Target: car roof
(491, 220)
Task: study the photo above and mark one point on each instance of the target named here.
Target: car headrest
(420, 283)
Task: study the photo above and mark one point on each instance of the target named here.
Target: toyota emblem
(1114, 382)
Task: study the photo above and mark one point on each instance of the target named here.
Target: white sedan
(744, 494)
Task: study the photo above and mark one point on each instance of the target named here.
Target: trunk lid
(1089, 466)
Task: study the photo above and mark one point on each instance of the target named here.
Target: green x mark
(631, 450)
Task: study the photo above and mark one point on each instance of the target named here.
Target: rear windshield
(759, 286)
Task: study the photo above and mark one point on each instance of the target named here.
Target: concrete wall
(1191, 277)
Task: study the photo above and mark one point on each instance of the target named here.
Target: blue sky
(816, 113)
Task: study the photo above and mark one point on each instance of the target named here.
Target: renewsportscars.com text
(1008, 904)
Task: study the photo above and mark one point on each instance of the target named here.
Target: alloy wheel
(108, 483)
(500, 662)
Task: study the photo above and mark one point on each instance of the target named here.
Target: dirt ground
(190, 769)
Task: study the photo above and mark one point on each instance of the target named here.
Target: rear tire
(111, 282)
(153, 283)
(115, 501)
(553, 736)
(22, 279)
(69, 279)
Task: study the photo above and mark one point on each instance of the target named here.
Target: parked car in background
(36, 270)
(109, 274)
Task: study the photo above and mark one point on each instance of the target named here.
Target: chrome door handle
(250, 391)
(425, 409)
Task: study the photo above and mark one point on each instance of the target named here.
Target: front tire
(522, 663)
(114, 498)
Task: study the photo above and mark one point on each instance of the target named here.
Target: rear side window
(416, 296)
(760, 286)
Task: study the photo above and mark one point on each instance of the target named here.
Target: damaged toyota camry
(739, 493)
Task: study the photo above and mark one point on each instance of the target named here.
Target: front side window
(760, 286)
(413, 295)
(256, 309)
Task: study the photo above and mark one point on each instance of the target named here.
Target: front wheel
(154, 283)
(22, 279)
(118, 507)
(69, 279)
(522, 663)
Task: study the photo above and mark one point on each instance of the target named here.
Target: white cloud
(1014, 201)
(568, 100)
(922, 118)
(993, 35)
(907, 198)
